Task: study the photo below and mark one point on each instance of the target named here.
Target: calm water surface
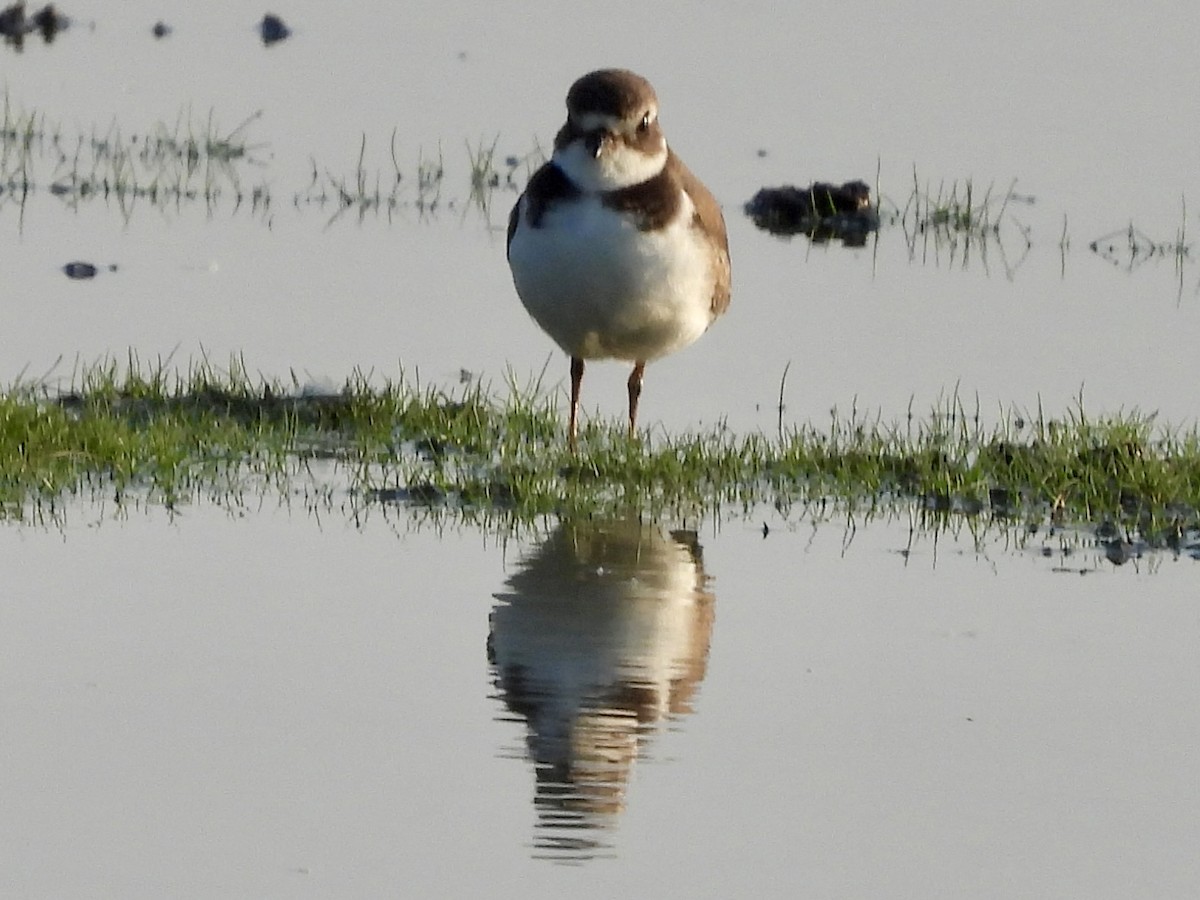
(268, 705)
(276, 704)
(1082, 111)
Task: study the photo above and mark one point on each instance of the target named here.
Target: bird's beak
(594, 141)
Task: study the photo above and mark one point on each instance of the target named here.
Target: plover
(616, 249)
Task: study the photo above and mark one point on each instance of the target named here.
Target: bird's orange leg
(576, 381)
(635, 393)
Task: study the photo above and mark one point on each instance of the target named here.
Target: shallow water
(270, 702)
(272, 705)
(956, 91)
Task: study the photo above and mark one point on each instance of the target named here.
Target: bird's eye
(644, 125)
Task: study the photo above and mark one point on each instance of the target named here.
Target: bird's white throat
(618, 165)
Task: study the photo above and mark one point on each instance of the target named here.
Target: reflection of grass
(957, 218)
(361, 193)
(952, 220)
(957, 208)
(196, 161)
(123, 430)
(1130, 247)
(487, 176)
(188, 162)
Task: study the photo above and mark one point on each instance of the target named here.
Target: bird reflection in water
(601, 633)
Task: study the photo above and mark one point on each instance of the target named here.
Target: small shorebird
(616, 249)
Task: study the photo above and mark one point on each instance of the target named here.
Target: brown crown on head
(614, 92)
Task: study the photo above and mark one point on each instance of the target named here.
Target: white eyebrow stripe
(594, 121)
(597, 121)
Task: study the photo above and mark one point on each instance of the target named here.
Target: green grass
(131, 431)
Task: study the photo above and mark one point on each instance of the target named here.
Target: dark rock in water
(1001, 501)
(14, 24)
(1119, 552)
(12, 19)
(273, 30)
(80, 270)
(821, 211)
(48, 21)
(161, 29)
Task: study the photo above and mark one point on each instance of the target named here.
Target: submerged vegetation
(166, 166)
(123, 432)
(196, 161)
(957, 218)
(148, 434)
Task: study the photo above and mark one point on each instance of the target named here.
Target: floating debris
(421, 493)
(48, 22)
(14, 24)
(80, 270)
(1119, 552)
(84, 270)
(273, 30)
(1131, 247)
(821, 211)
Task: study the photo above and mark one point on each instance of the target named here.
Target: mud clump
(14, 24)
(821, 211)
(273, 30)
(81, 271)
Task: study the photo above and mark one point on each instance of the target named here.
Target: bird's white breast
(600, 287)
